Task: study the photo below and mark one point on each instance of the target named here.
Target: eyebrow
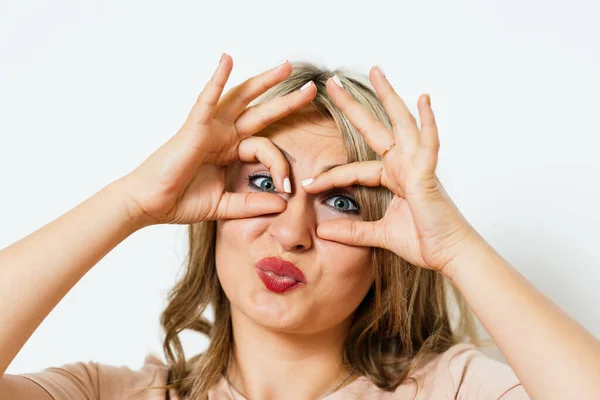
(291, 160)
(287, 155)
(327, 168)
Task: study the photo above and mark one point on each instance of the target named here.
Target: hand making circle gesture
(183, 181)
(421, 224)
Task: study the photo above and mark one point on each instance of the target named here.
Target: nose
(293, 228)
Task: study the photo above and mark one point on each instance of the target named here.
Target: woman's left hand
(422, 224)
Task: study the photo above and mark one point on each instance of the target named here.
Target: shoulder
(95, 381)
(466, 372)
(461, 372)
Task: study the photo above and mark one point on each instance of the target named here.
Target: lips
(279, 275)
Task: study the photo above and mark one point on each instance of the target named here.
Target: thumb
(246, 205)
(353, 233)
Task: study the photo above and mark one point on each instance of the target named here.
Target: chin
(288, 312)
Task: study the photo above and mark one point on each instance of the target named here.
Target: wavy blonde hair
(406, 316)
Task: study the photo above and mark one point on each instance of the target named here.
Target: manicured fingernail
(307, 84)
(287, 186)
(280, 64)
(381, 70)
(337, 81)
(307, 182)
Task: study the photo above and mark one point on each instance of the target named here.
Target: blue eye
(343, 204)
(261, 182)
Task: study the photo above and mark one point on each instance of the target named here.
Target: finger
(246, 205)
(255, 118)
(203, 110)
(366, 173)
(264, 151)
(405, 125)
(430, 140)
(377, 136)
(350, 232)
(238, 98)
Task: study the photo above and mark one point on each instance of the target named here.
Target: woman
(337, 284)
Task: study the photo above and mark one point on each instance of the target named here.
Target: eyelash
(252, 186)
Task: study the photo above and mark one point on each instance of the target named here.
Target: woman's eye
(340, 203)
(343, 203)
(264, 183)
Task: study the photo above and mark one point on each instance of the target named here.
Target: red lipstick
(278, 275)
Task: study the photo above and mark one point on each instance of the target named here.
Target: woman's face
(337, 276)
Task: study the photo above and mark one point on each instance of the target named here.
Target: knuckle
(209, 101)
(265, 118)
(362, 130)
(246, 202)
(343, 106)
(221, 208)
(357, 234)
(263, 85)
(259, 140)
(241, 96)
(387, 96)
(326, 176)
(289, 106)
(217, 84)
(353, 233)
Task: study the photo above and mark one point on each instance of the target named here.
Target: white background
(89, 89)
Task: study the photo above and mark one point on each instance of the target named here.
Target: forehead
(308, 137)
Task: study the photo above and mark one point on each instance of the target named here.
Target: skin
(299, 333)
(184, 182)
(424, 226)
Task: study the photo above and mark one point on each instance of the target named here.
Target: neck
(270, 364)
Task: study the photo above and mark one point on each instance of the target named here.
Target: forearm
(39, 270)
(553, 356)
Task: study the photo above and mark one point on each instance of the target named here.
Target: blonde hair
(405, 318)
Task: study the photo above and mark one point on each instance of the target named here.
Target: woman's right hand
(183, 181)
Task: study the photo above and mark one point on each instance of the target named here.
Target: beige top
(462, 372)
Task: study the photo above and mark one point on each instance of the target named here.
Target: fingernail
(381, 70)
(307, 84)
(280, 64)
(337, 81)
(307, 182)
(428, 100)
(221, 59)
(287, 186)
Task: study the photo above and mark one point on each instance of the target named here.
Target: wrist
(474, 248)
(132, 219)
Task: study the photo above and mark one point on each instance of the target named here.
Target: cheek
(347, 262)
(234, 244)
(232, 234)
(349, 270)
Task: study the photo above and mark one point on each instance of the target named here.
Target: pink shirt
(462, 372)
